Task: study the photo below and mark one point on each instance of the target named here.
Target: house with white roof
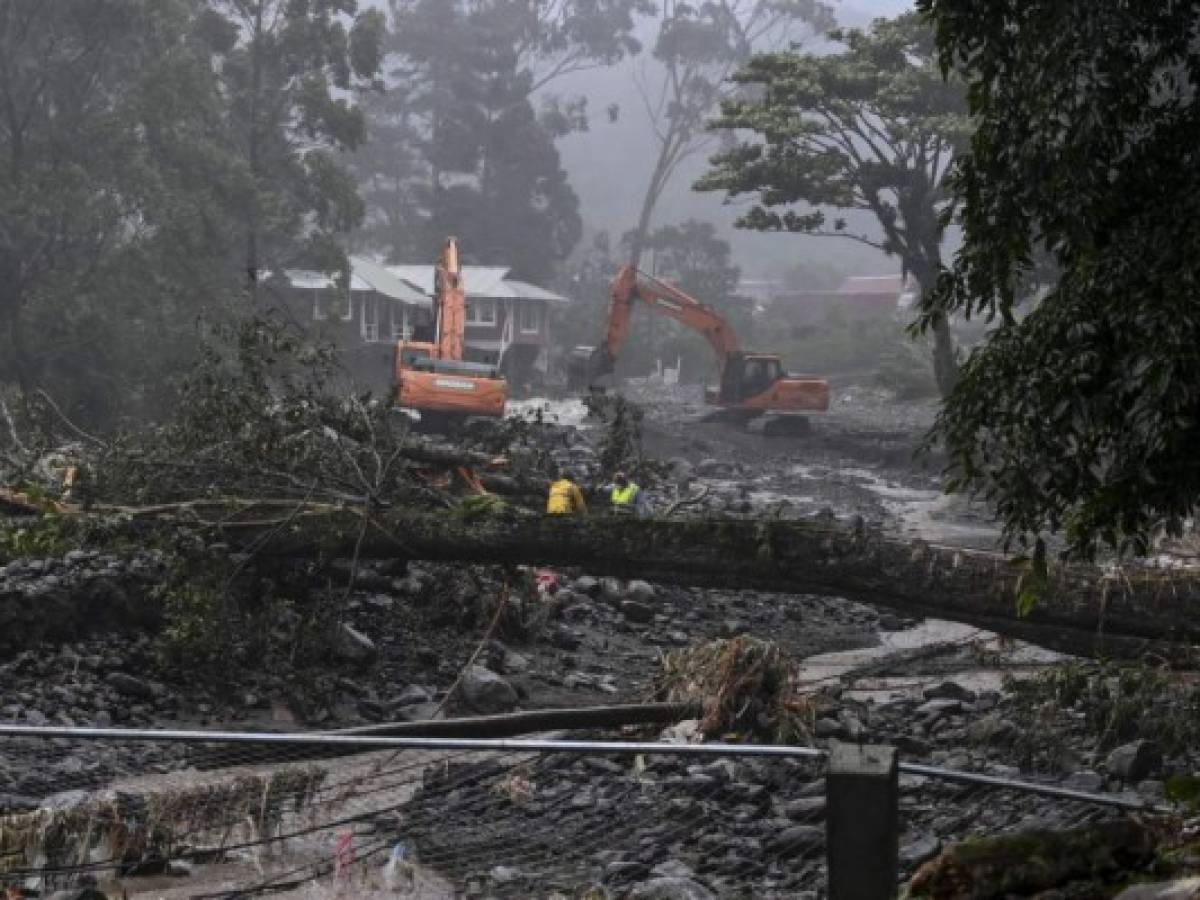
(507, 321)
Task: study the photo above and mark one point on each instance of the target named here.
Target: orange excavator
(752, 385)
(433, 378)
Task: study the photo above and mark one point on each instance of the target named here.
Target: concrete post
(862, 822)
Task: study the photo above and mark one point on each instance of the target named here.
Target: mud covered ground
(933, 690)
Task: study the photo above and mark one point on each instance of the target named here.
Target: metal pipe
(303, 739)
(1031, 787)
(306, 739)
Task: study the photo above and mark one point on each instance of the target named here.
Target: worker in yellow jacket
(565, 498)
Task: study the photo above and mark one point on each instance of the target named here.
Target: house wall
(366, 353)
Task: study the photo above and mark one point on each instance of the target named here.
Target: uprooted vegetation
(745, 686)
(1100, 706)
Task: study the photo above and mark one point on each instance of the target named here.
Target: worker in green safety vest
(625, 496)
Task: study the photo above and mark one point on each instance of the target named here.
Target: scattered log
(506, 725)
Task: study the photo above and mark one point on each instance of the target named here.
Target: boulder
(1135, 761)
(637, 612)
(949, 690)
(487, 693)
(610, 590)
(670, 888)
(586, 585)
(641, 591)
(129, 686)
(351, 645)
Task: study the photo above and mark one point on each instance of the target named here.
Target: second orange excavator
(751, 386)
(433, 378)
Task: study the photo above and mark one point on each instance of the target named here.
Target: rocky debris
(352, 646)
(949, 690)
(670, 889)
(486, 693)
(637, 612)
(129, 686)
(1135, 761)
(80, 594)
(641, 591)
(1181, 889)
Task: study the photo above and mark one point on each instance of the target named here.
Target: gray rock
(610, 591)
(129, 686)
(412, 695)
(1135, 761)
(1184, 889)
(486, 692)
(586, 585)
(670, 888)
(637, 612)
(796, 839)
(806, 809)
(829, 728)
(949, 690)
(992, 730)
(1084, 780)
(351, 645)
(641, 591)
(920, 851)
(936, 709)
(504, 874)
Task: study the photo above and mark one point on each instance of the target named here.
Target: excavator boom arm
(450, 304)
(663, 298)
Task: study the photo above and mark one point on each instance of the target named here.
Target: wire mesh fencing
(204, 815)
(213, 818)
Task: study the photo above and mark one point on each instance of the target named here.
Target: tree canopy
(1081, 415)
(463, 141)
(117, 191)
(873, 128)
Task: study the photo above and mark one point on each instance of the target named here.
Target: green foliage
(621, 444)
(262, 414)
(873, 128)
(697, 47)
(1111, 704)
(1081, 416)
(116, 194)
(457, 145)
(289, 71)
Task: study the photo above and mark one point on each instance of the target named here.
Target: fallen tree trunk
(1082, 609)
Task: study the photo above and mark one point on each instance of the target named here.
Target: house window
(481, 312)
(349, 313)
(531, 317)
(370, 318)
(320, 306)
(401, 329)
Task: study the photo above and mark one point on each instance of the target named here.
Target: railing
(442, 816)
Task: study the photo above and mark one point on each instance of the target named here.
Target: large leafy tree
(464, 139)
(697, 47)
(115, 193)
(874, 128)
(1084, 414)
(291, 71)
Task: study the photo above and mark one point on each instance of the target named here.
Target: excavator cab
(748, 375)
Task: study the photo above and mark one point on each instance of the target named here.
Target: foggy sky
(610, 165)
